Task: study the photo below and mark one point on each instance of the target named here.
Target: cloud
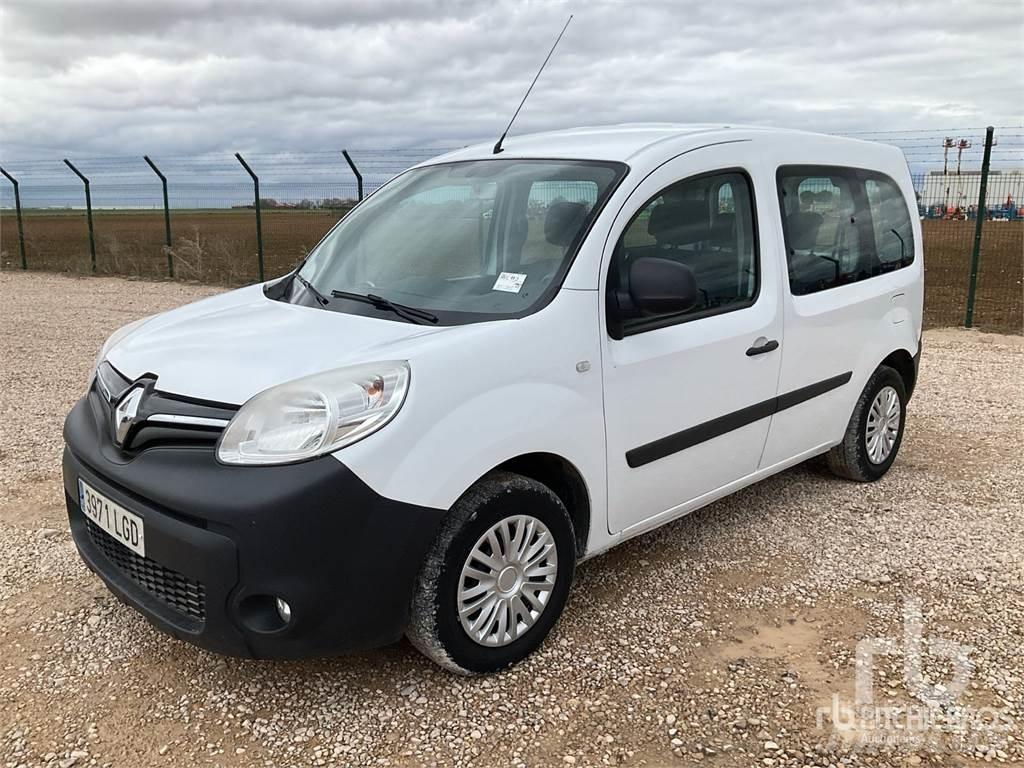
(191, 76)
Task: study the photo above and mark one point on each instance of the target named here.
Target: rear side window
(890, 220)
(841, 225)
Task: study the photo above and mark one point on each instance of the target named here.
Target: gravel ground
(714, 639)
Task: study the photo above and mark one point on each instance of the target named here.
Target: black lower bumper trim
(343, 557)
(917, 368)
(180, 593)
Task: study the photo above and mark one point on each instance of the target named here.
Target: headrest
(563, 221)
(802, 229)
(723, 231)
(679, 222)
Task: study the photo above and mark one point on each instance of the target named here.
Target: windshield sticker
(510, 282)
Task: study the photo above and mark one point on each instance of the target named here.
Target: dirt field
(947, 261)
(216, 246)
(715, 639)
(220, 247)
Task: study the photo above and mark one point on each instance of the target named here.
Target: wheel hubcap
(507, 580)
(883, 425)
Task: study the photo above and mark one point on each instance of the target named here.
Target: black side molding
(692, 436)
(802, 395)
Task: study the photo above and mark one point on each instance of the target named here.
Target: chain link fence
(222, 225)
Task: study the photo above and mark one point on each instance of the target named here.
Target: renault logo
(125, 412)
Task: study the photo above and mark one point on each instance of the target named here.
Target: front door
(689, 396)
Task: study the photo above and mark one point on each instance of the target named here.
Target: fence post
(972, 286)
(88, 212)
(359, 176)
(17, 209)
(167, 217)
(259, 225)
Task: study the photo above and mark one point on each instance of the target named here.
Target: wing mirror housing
(662, 286)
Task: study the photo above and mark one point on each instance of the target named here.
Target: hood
(230, 347)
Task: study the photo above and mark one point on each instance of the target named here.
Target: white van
(494, 367)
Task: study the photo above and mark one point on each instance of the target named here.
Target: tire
(505, 500)
(853, 459)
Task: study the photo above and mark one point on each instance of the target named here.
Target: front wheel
(496, 578)
(875, 431)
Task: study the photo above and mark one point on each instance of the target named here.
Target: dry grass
(208, 246)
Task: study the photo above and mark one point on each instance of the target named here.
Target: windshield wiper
(309, 287)
(412, 314)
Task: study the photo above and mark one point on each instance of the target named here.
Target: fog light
(284, 610)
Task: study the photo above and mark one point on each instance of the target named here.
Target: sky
(185, 77)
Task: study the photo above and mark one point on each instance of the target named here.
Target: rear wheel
(497, 576)
(875, 431)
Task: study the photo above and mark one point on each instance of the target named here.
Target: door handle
(761, 346)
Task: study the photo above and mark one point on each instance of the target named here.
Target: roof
(615, 142)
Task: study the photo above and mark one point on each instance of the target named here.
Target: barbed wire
(217, 179)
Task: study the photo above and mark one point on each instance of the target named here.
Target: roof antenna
(497, 147)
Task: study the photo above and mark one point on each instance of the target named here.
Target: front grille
(180, 593)
(162, 419)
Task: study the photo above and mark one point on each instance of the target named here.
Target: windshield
(464, 241)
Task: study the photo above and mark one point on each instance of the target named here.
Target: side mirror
(661, 286)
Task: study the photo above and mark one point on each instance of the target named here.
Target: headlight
(113, 339)
(314, 415)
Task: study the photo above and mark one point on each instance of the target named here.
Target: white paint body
(485, 393)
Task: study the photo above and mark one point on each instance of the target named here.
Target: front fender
(485, 398)
(437, 465)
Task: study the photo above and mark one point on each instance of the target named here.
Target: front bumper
(230, 539)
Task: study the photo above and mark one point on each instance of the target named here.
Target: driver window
(705, 223)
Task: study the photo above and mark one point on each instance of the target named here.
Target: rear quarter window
(841, 225)
(890, 221)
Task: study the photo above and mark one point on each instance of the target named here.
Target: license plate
(124, 526)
